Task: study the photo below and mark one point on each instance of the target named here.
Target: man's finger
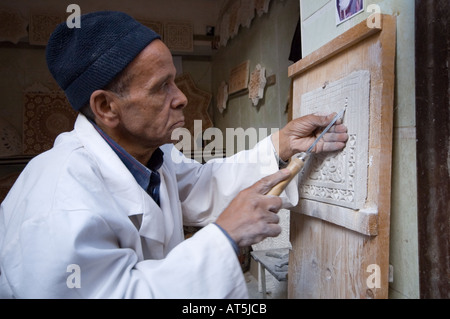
(273, 230)
(332, 146)
(271, 217)
(338, 128)
(319, 120)
(335, 137)
(264, 185)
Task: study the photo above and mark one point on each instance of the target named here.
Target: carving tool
(298, 161)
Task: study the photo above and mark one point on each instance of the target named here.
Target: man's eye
(164, 85)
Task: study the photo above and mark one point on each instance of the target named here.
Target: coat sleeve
(210, 269)
(206, 190)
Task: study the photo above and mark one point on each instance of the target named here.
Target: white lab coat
(77, 225)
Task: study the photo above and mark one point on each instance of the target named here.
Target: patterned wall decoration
(46, 115)
(198, 103)
(179, 36)
(341, 178)
(257, 84)
(237, 13)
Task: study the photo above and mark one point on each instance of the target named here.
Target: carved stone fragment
(257, 84)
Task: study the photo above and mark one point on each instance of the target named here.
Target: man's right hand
(252, 215)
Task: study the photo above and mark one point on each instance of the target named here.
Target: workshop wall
(23, 66)
(267, 42)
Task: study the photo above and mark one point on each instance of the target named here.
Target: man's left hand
(299, 134)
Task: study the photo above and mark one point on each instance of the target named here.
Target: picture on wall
(345, 9)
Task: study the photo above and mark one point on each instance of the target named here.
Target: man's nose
(180, 100)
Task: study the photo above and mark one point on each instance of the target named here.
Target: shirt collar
(140, 172)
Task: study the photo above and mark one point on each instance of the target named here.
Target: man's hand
(299, 134)
(252, 215)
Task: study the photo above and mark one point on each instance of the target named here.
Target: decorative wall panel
(340, 178)
(198, 103)
(246, 13)
(257, 84)
(239, 77)
(262, 6)
(179, 36)
(46, 115)
(234, 20)
(236, 13)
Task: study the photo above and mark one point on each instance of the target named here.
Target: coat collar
(131, 198)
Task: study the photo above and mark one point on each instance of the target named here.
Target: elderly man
(100, 215)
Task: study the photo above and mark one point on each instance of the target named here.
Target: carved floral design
(240, 13)
(340, 178)
(333, 177)
(179, 36)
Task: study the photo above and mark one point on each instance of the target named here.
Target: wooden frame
(334, 248)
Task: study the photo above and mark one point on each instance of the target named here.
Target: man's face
(153, 105)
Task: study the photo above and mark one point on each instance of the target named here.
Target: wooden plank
(364, 221)
(238, 80)
(336, 269)
(339, 44)
(332, 255)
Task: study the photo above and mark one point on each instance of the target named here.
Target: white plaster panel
(340, 178)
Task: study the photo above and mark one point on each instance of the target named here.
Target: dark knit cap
(88, 58)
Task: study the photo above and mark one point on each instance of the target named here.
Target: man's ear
(104, 106)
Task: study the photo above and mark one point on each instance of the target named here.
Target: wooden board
(239, 78)
(337, 252)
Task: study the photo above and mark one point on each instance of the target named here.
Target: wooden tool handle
(295, 166)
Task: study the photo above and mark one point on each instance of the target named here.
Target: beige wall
(267, 42)
(318, 26)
